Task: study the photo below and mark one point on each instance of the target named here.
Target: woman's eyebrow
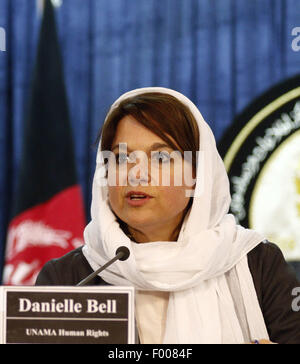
(154, 146)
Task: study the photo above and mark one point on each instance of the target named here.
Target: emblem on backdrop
(261, 152)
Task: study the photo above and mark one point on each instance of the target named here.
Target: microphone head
(125, 251)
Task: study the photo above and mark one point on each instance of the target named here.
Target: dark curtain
(220, 53)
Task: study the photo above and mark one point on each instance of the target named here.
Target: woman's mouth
(134, 198)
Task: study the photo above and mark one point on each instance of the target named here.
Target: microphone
(122, 253)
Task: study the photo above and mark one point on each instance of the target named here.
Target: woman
(199, 277)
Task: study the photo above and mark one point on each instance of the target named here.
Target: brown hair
(162, 114)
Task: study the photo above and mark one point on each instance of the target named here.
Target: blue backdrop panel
(220, 53)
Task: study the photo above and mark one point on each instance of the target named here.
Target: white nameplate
(67, 315)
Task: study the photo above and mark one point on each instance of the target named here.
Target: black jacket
(273, 278)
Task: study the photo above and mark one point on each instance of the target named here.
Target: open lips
(135, 195)
(137, 198)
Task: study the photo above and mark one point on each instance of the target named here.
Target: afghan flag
(48, 215)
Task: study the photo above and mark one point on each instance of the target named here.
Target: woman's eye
(162, 157)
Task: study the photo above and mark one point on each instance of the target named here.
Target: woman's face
(157, 213)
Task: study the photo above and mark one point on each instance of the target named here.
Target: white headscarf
(210, 245)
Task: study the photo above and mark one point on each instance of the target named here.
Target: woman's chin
(139, 220)
(140, 223)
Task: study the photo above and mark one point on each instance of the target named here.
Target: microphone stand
(122, 253)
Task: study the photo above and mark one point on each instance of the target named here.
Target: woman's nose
(138, 172)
